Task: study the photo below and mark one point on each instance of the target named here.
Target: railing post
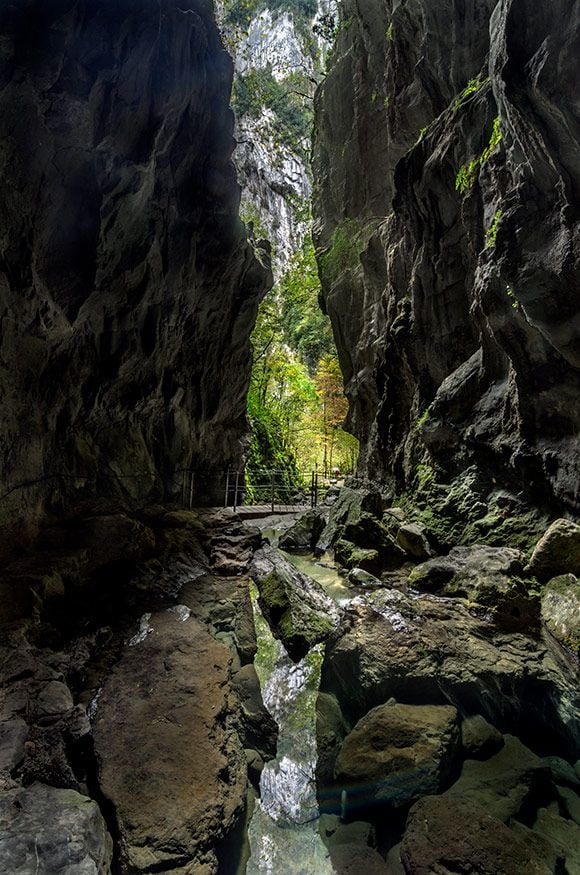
(227, 495)
(236, 491)
(272, 489)
(312, 489)
(316, 489)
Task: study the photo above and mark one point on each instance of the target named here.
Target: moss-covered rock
(561, 610)
(487, 576)
(351, 504)
(558, 551)
(298, 610)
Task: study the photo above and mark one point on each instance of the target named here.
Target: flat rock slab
(48, 831)
(169, 760)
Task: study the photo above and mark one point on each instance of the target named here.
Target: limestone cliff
(446, 162)
(128, 290)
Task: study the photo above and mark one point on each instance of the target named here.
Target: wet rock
(255, 763)
(432, 651)
(557, 552)
(113, 537)
(487, 576)
(43, 829)
(348, 555)
(170, 761)
(561, 610)
(511, 783)
(397, 753)
(54, 702)
(331, 728)
(258, 728)
(305, 532)
(455, 835)
(413, 540)
(297, 608)
(360, 577)
(479, 738)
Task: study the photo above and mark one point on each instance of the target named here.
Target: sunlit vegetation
(296, 402)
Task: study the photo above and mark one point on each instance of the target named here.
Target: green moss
(467, 173)
(491, 233)
(390, 32)
(422, 420)
(509, 290)
(472, 86)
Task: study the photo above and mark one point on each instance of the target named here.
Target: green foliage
(306, 328)
(512, 296)
(467, 174)
(472, 86)
(494, 141)
(390, 32)
(425, 476)
(258, 89)
(423, 419)
(491, 233)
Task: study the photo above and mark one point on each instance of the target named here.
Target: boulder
(360, 577)
(557, 552)
(305, 532)
(347, 510)
(486, 576)
(170, 762)
(349, 555)
(296, 607)
(561, 610)
(479, 738)
(397, 753)
(412, 538)
(509, 783)
(451, 835)
(49, 830)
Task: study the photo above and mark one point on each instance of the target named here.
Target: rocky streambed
(178, 695)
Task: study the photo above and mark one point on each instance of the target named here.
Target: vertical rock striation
(128, 290)
(447, 176)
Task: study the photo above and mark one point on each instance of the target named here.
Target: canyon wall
(447, 182)
(128, 289)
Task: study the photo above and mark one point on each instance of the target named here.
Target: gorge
(386, 682)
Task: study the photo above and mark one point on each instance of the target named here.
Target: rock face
(48, 830)
(128, 289)
(447, 179)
